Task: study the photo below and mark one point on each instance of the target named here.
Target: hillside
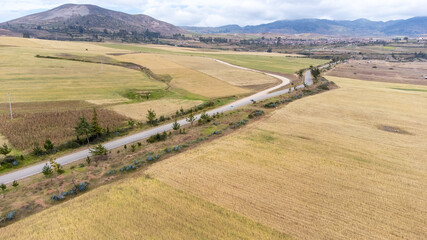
(72, 21)
(359, 27)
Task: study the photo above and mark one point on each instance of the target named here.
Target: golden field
(321, 168)
(228, 74)
(162, 107)
(185, 78)
(137, 208)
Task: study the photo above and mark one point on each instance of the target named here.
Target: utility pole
(10, 106)
(102, 67)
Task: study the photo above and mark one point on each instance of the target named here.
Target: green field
(28, 78)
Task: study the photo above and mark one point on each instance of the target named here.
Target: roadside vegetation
(104, 167)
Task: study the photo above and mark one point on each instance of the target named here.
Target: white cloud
(242, 12)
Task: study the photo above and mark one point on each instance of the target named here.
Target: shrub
(15, 183)
(82, 186)
(157, 138)
(10, 216)
(37, 151)
(47, 170)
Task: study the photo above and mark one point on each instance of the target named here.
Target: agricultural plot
(228, 74)
(346, 164)
(28, 78)
(279, 63)
(138, 208)
(185, 78)
(162, 107)
(408, 73)
(37, 121)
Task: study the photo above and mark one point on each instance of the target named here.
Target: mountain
(86, 20)
(360, 27)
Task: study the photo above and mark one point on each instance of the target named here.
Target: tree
(5, 149)
(98, 150)
(88, 161)
(176, 125)
(83, 128)
(37, 151)
(151, 117)
(47, 170)
(96, 129)
(191, 119)
(300, 74)
(315, 73)
(131, 123)
(26, 35)
(48, 145)
(15, 183)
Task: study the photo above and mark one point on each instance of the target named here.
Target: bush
(8, 160)
(256, 113)
(157, 138)
(82, 186)
(47, 170)
(10, 216)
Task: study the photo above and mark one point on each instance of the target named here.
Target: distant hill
(87, 21)
(360, 27)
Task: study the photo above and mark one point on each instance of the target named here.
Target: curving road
(35, 169)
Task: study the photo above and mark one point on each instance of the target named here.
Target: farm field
(280, 63)
(186, 78)
(226, 73)
(138, 208)
(28, 78)
(165, 107)
(346, 164)
(376, 70)
(37, 121)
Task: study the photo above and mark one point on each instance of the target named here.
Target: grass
(411, 89)
(280, 63)
(183, 77)
(165, 107)
(157, 212)
(28, 78)
(320, 167)
(228, 74)
(288, 65)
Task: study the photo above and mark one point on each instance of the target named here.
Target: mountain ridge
(78, 19)
(359, 27)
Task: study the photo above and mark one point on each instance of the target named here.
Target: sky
(212, 13)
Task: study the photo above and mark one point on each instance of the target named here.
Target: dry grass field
(408, 73)
(37, 121)
(346, 164)
(137, 208)
(225, 73)
(279, 63)
(165, 107)
(28, 78)
(184, 77)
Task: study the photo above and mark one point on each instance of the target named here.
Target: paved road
(35, 169)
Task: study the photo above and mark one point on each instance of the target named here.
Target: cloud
(222, 12)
